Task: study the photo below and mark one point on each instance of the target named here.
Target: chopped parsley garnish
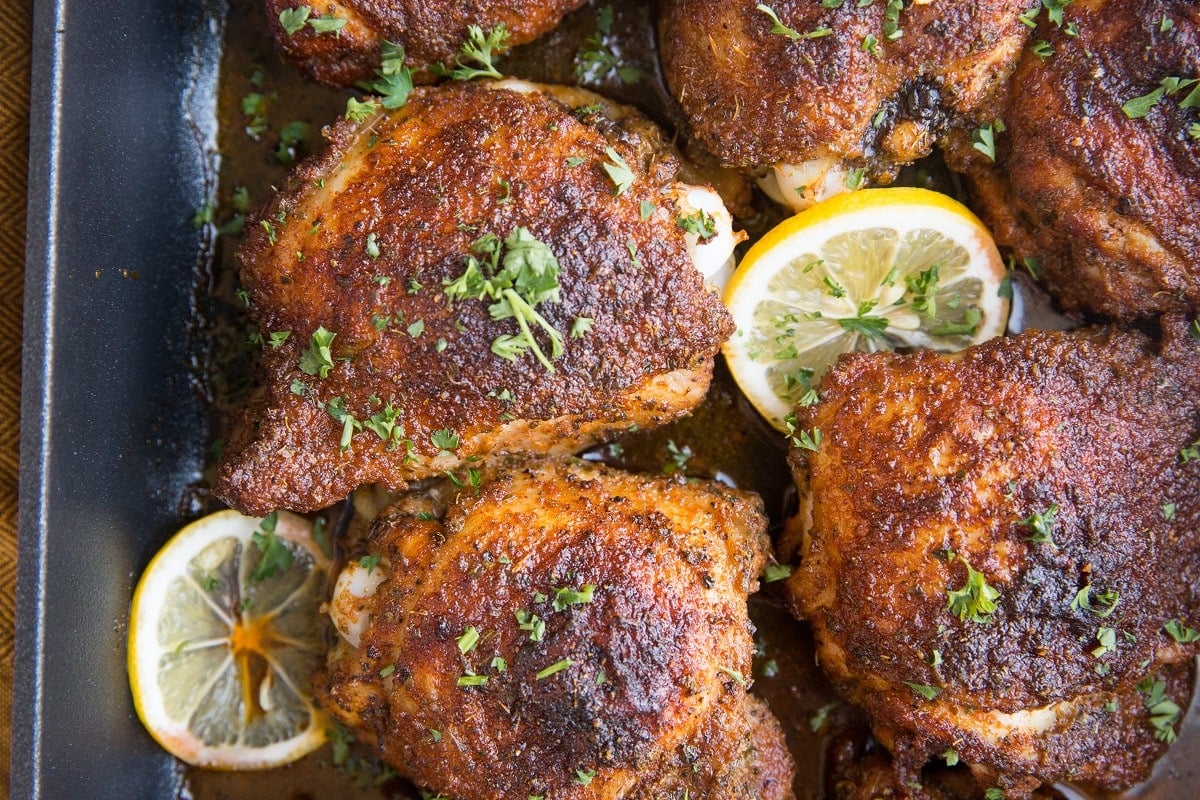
(618, 171)
(292, 20)
(1054, 11)
(583, 777)
(387, 671)
(1164, 713)
(1102, 605)
(891, 20)
(1140, 106)
(808, 441)
(372, 246)
(596, 59)
(679, 457)
(394, 82)
(383, 424)
(854, 178)
(528, 621)
(499, 664)
(870, 326)
(1107, 639)
(817, 721)
(467, 642)
(472, 680)
(360, 110)
(525, 277)
(480, 49)
(928, 692)
(573, 597)
(1168, 511)
(733, 673)
(699, 223)
(1180, 632)
(336, 408)
(923, 290)
(553, 669)
(581, 327)
(1041, 525)
(327, 24)
(983, 138)
(369, 563)
(976, 600)
(967, 327)
(276, 557)
(445, 440)
(1042, 49)
(779, 29)
(318, 359)
(777, 572)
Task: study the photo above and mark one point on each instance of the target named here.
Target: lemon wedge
(225, 630)
(878, 269)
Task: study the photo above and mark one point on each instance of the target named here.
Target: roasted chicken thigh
(481, 271)
(346, 47)
(818, 92)
(567, 631)
(1000, 550)
(1097, 171)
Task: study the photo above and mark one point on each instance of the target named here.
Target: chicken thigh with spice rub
(831, 97)
(341, 42)
(1096, 173)
(481, 271)
(999, 550)
(566, 631)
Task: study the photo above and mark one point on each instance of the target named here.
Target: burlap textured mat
(14, 144)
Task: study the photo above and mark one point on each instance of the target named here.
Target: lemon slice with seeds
(878, 269)
(225, 630)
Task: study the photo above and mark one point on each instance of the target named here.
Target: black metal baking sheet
(121, 154)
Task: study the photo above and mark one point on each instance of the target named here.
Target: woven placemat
(14, 148)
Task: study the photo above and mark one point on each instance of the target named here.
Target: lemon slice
(878, 269)
(224, 632)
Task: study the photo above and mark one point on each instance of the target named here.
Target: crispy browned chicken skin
(759, 98)
(932, 466)
(360, 243)
(430, 31)
(1108, 204)
(569, 631)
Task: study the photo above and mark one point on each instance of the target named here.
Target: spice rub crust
(430, 31)
(360, 243)
(600, 621)
(975, 524)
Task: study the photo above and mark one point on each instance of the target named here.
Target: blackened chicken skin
(360, 244)
(756, 98)
(1061, 469)
(430, 31)
(1107, 203)
(569, 631)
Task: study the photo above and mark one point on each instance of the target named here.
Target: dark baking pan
(112, 435)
